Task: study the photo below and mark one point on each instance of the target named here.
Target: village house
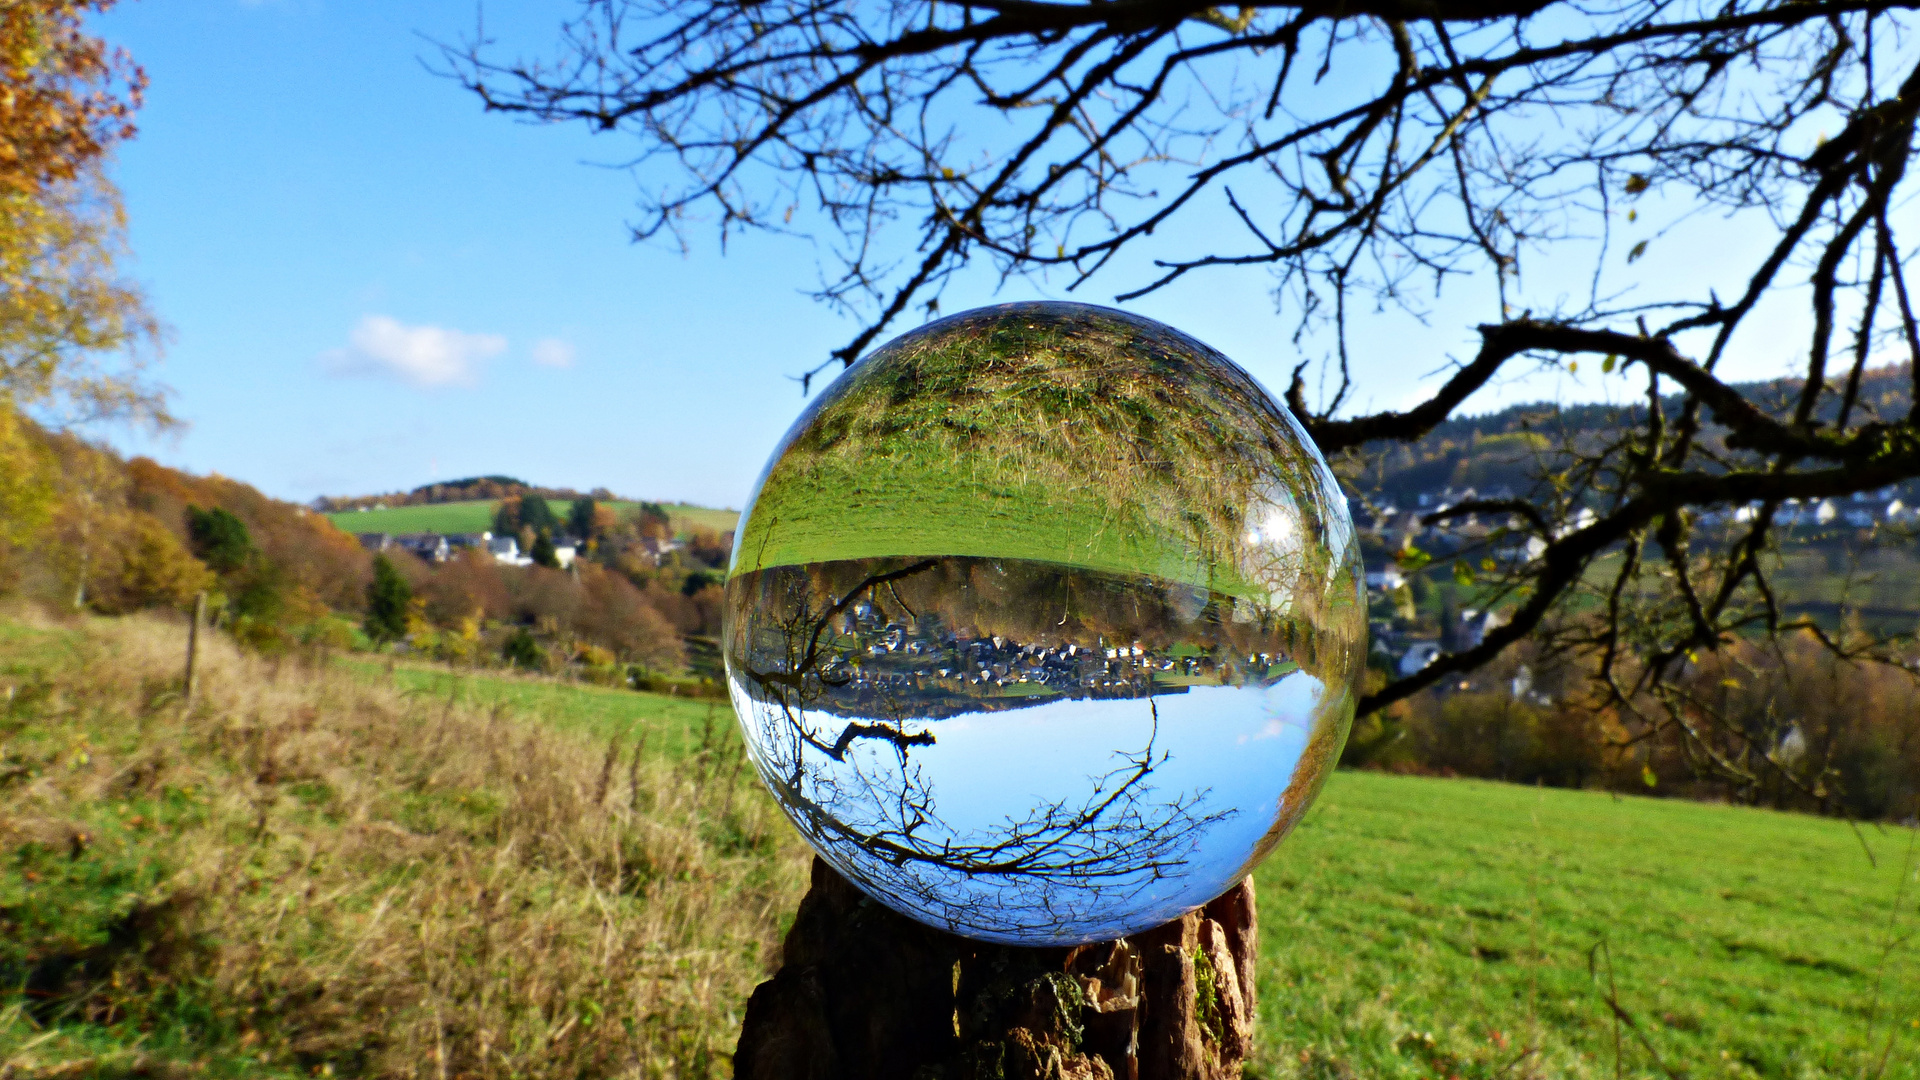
(428, 547)
(506, 551)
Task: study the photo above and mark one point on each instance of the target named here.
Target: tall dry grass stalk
(347, 879)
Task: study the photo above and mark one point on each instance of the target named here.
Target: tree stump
(867, 994)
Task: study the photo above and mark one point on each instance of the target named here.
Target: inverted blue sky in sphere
(372, 284)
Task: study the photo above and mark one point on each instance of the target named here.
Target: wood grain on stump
(865, 994)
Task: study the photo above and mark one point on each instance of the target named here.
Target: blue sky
(373, 285)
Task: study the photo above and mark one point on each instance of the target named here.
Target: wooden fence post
(866, 994)
(193, 644)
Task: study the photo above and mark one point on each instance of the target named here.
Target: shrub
(520, 650)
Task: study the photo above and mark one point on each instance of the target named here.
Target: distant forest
(470, 489)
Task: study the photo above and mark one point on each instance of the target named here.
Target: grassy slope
(328, 874)
(1411, 927)
(477, 516)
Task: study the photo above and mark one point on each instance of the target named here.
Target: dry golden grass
(315, 873)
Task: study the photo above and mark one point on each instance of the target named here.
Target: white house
(506, 551)
(1475, 624)
(1386, 579)
(1418, 656)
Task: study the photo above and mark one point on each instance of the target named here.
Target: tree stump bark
(866, 994)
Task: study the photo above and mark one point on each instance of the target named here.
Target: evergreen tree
(543, 553)
(580, 519)
(219, 539)
(387, 598)
(535, 514)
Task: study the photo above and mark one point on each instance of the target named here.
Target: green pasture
(477, 516)
(1417, 927)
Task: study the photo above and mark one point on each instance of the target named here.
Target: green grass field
(477, 516)
(1411, 927)
(1416, 927)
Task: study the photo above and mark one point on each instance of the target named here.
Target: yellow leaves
(1411, 558)
(1638, 250)
(1637, 183)
(420, 633)
(26, 479)
(1235, 24)
(64, 307)
(156, 568)
(1606, 366)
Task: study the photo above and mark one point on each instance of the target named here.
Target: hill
(474, 516)
(334, 871)
(1505, 448)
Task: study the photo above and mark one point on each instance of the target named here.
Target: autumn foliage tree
(72, 329)
(65, 100)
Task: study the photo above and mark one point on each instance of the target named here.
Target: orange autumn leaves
(65, 97)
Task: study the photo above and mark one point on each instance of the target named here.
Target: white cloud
(426, 356)
(553, 353)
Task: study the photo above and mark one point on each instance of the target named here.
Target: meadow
(346, 869)
(476, 516)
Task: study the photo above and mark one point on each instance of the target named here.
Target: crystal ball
(1044, 624)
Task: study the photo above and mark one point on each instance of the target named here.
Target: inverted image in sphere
(1044, 624)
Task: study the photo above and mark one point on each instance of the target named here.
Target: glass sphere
(1044, 624)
